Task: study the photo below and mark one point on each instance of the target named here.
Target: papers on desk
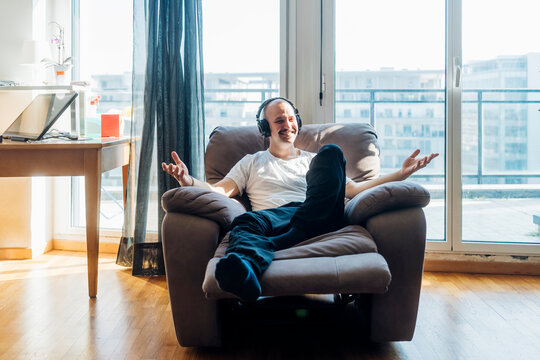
(8, 83)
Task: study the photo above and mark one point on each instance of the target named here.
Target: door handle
(457, 71)
(458, 75)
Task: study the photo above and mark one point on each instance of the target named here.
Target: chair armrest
(195, 221)
(386, 197)
(189, 242)
(203, 203)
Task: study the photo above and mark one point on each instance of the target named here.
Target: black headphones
(262, 124)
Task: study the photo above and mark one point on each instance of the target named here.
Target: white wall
(25, 203)
(15, 27)
(25, 20)
(15, 199)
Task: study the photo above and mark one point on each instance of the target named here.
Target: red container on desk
(110, 125)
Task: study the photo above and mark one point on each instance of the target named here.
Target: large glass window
(500, 122)
(106, 29)
(390, 72)
(241, 59)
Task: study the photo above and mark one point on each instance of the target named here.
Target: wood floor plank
(45, 313)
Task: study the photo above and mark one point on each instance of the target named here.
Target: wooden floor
(45, 313)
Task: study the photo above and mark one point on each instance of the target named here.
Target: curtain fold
(168, 114)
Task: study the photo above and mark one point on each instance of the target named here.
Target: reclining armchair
(376, 261)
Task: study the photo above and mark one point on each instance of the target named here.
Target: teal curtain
(168, 114)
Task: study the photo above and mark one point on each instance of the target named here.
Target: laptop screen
(40, 115)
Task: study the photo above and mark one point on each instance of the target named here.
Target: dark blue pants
(252, 233)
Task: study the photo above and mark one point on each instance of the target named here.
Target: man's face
(282, 120)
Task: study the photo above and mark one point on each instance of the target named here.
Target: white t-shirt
(271, 182)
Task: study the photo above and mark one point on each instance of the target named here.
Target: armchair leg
(344, 299)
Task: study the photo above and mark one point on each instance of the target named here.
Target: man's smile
(287, 132)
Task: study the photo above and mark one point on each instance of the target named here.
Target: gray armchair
(378, 256)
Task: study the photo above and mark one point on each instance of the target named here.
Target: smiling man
(295, 195)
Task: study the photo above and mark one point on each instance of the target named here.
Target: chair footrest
(351, 274)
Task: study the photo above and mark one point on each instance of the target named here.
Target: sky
(243, 35)
(106, 37)
(410, 34)
(500, 27)
(371, 34)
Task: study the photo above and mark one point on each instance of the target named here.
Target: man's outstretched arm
(180, 172)
(409, 167)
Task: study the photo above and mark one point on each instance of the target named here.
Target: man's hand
(409, 167)
(412, 165)
(179, 171)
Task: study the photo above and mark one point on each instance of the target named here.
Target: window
(241, 50)
(407, 89)
(511, 131)
(426, 131)
(494, 105)
(389, 144)
(105, 61)
(491, 130)
(387, 162)
(500, 68)
(515, 148)
(407, 130)
(492, 148)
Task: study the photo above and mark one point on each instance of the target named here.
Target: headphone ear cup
(299, 121)
(264, 128)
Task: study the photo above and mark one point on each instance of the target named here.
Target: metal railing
(372, 97)
(263, 95)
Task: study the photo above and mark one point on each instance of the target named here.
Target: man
(295, 195)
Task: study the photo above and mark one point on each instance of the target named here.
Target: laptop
(38, 117)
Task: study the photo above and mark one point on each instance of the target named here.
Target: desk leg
(92, 184)
(125, 173)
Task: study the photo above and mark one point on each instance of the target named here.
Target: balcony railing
(372, 97)
(240, 95)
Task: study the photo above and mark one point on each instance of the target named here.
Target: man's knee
(249, 222)
(242, 218)
(331, 150)
(330, 153)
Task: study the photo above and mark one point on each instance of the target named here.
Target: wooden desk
(88, 158)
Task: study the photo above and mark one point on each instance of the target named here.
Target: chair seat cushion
(343, 261)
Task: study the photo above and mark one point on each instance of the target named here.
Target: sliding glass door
(500, 117)
(390, 72)
(445, 77)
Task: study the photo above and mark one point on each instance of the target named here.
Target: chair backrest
(227, 145)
